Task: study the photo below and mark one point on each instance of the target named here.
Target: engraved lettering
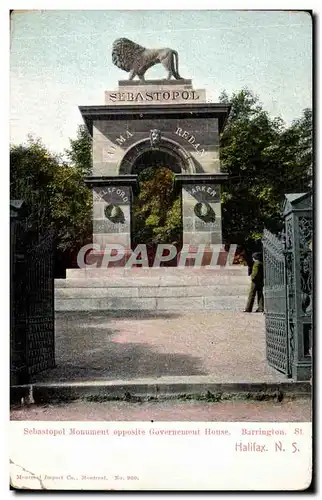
(193, 95)
(120, 139)
(158, 96)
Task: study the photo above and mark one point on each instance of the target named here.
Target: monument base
(153, 289)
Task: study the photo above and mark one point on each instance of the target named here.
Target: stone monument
(154, 122)
(142, 118)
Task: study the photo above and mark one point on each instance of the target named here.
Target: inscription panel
(203, 192)
(145, 95)
(201, 225)
(106, 226)
(111, 140)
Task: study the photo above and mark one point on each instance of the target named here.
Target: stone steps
(151, 291)
(150, 272)
(210, 303)
(156, 289)
(153, 281)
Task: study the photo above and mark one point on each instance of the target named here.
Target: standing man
(257, 284)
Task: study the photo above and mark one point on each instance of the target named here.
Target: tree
(296, 150)
(80, 151)
(157, 209)
(54, 192)
(265, 160)
(32, 170)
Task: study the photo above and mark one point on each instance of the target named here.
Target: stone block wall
(201, 229)
(108, 230)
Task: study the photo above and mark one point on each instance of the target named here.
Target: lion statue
(136, 59)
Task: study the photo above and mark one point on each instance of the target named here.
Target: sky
(60, 59)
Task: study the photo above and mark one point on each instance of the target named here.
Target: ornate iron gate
(275, 302)
(40, 306)
(32, 303)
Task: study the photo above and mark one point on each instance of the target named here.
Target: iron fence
(32, 302)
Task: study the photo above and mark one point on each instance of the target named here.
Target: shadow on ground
(88, 349)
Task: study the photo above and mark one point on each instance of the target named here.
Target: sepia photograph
(161, 249)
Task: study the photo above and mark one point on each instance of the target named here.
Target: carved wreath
(204, 211)
(115, 214)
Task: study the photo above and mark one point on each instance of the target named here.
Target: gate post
(297, 213)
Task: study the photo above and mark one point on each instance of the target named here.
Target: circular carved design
(114, 213)
(204, 211)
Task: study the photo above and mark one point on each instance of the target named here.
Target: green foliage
(156, 210)
(265, 160)
(55, 193)
(80, 151)
(31, 168)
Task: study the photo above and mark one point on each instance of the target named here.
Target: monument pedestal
(201, 208)
(112, 209)
(154, 91)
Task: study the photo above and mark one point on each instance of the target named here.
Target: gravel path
(226, 345)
